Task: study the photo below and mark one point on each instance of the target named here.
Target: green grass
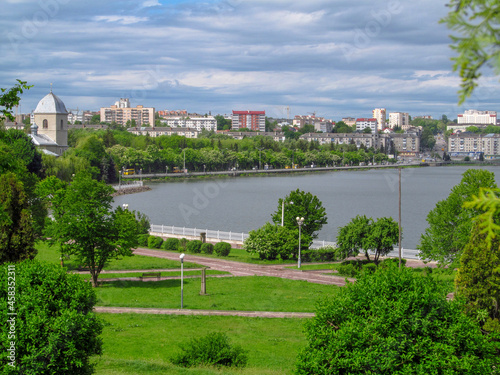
(313, 267)
(163, 274)
(142, 344)
(135, 262)
(256, 293)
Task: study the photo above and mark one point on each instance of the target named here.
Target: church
(49, 131)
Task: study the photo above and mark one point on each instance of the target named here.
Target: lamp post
(300, 221)
(283, 212)
(125, 206)
(182, 279)
(260, 153)
(204, 168)
(184, 152)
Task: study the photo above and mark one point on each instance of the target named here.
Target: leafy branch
(488, 200)
(9, 99)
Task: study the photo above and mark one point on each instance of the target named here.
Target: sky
(334, 58)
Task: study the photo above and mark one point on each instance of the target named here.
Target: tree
(9, 99)
(271, 241)
(54, 329)
(478, 279)
(17, 236)
(365, 234)
(95, 119)
(450, 223)
(301, 204)
(85, 225)
(477, 45)
(394, 322)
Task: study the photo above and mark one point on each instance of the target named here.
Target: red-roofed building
(362, 123)
(253, 120)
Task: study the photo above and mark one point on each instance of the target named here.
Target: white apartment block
(380, 115)
(473, 116)
(399, 119)
(363, 123)
(157, 132)
(198, 123)
(121, 113)
(466, 144)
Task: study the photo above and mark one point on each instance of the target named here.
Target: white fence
(128, 185)
(240, 237)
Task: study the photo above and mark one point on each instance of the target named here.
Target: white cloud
(124, 20)
(150, 3)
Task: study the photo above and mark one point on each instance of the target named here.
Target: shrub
(194, 246)
(349, 270)
(182, 244)
(369, 268)
(207, 248)
(155, 242)
(394, 261)
(213, 349)
(222, 249)
(323, 254)
(142, 239)
(170, 244)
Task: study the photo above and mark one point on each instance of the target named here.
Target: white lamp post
(182, 279)
(125, 206)
(300, 221)
(283, 212)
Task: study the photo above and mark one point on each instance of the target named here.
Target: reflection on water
(244, 203)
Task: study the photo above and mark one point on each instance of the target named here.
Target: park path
(248, 269)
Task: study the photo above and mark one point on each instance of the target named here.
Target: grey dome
(51, 104)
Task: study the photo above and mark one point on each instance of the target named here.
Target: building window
(45, 124)
(62, 125)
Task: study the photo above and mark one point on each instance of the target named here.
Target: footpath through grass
(249, 293)
(143, 344)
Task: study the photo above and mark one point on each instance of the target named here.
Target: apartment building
(198, 123)
(121, 113)
(469, 144)
(380, 115)
(276, 136)
(319, 123)
(406, 144)
(363, 123)
(159, 131)
(253, 120)
(399, 119)
(473, 116)
(349, 121)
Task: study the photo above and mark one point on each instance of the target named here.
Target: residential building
(380, 115)
(406, 144)
(319, 123)
(159, 131)
(460, 128)
(363, 123)
(253, 120)
(398, 119)
(349, 121)
(199, 123)
(473, 116)
(470, 144)
(276, 136)
(121, 113)
(50, 128)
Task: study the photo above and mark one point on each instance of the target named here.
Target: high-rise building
(473, 116)
(399, 119)
(380, 115)
(121, 113)
(363, 123)
(253, 120)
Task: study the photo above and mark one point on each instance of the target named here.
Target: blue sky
(337, 58)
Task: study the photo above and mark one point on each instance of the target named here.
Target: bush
(369, 268)
(170, 244)
(222, 249)
(394, 261)
(324, 254)
(155, 242)
(55, 327)
(142, 239)
(194, 246)
(349, 270)
(182, 244)
(207, 248)
(213, 349)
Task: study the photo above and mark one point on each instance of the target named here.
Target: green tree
(17, 236)
(301, 204)
(86, 226)
(54, 329)
(477, 42)
(95, 119)
(478, 279)
(394, 322)
(10, 98)
(365, 234)
(450, 223)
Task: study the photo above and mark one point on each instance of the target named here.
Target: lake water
(240, 204)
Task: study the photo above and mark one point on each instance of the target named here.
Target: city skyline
(334, 58)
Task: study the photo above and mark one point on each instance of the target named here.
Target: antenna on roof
(51, 87)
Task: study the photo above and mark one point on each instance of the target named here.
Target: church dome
(51, 104)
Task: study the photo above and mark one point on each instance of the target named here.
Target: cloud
(124, 20)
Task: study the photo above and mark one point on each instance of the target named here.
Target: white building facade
(473, 116)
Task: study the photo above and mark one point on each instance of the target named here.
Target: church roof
(51, 104)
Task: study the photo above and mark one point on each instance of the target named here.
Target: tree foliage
(301, 204)
(86, 226)
(365, 234)
(394, 322)
(55, 329)
(10, 98)
(478, 278)
(450, 223)
(17, 236)
(271, 241)
(477, 40)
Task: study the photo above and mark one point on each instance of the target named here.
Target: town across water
(246, 203)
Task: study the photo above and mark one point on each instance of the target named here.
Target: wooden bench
(150, 274)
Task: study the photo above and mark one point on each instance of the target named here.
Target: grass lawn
(142, 344)
(135, 262)
(163, 274)
(255, 293)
